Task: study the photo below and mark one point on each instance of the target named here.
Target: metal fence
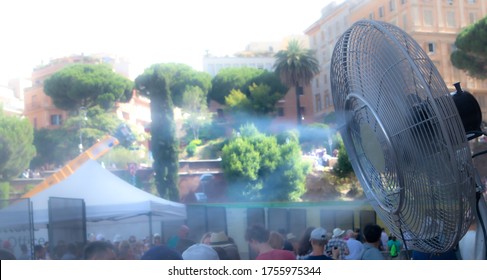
(67, 228)
(234, 219)
(16, 227)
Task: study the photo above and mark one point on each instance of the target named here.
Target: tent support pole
(150, 230)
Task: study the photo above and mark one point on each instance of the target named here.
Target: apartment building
(38, 107)
(323, 35)
(256, 55)
(434, 24)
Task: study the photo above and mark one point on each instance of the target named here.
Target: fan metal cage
(404, 136)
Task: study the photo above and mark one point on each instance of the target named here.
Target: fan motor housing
(469, 110)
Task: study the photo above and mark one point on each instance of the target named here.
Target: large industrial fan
(407, 136)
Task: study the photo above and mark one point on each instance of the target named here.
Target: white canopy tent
(107, 198)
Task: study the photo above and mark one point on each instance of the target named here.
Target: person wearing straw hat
(221, 240)
(338, 242)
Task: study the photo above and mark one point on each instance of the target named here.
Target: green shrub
(191, 149)
(343, 167)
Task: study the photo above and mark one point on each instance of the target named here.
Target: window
(392, 5)
(327, 100)
(471, 1)
(371, 16)
(317, 82)
(318, 104)
(325, 78)
(431, 48)
(280, 112)
(404, 21)
(381, 12)
(428, 17)
(56, 120)
(450, 19)
(403, 2)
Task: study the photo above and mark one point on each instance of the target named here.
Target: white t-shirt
(355, 247)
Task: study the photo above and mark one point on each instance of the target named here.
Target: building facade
(213, 65)
(434, 24)
(38, 107)
(323, 35)
(258, 55)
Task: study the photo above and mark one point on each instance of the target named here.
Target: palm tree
(296, 66)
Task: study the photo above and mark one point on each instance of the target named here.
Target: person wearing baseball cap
(200, 252)
(318, 241)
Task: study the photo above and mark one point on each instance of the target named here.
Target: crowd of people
(318, 244)
(314, 244)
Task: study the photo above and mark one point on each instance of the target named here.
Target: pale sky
(144, 31)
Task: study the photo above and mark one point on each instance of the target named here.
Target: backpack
(393, 251)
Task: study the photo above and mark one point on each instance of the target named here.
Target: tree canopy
(263, 100)
(87, 85)
(57, 146)
(196, 110)
(260, 168)
(471, 52)
(242, 79)
(296, 66)
(154, 83)
(16, 148)
(180, 76)
(260, 100)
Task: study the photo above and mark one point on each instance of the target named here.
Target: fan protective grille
(404, 136)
